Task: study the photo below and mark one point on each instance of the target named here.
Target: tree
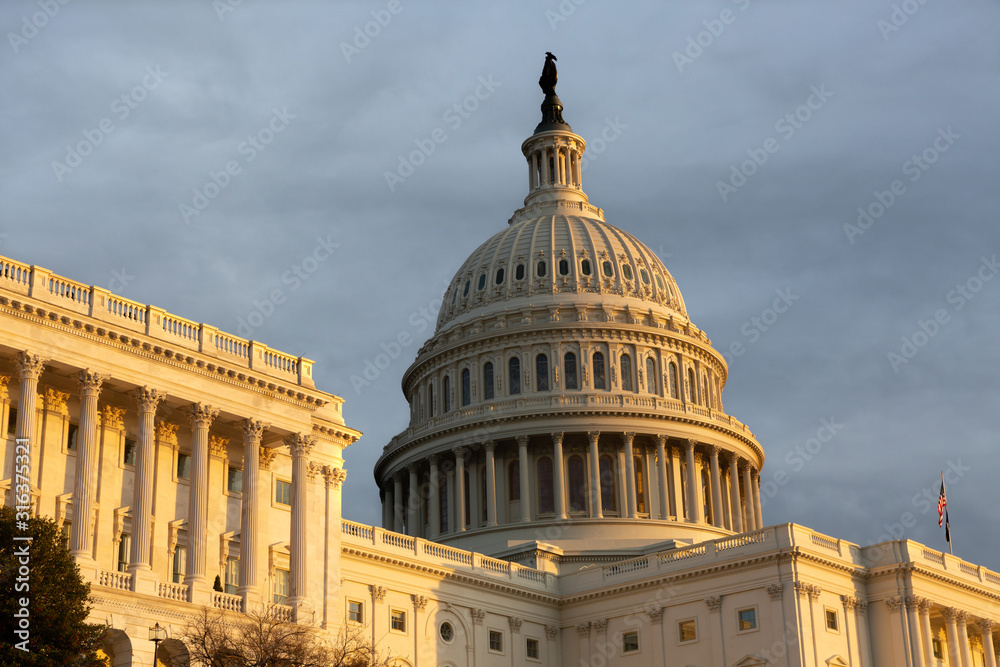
(262, 639)
(42, 573)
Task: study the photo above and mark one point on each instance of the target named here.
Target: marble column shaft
(459, 511)
(751, 522)
(81, 541)
(755, 486)
(734, 493)
(253, 430)
(29, 369)
(522, 458)
(630, 494)
(146, 400)
(434, 492)
(661, 476)
(491, 485)
(717, 512)
(201, 417)
(595, 476)
(300, 445)
(558, 475)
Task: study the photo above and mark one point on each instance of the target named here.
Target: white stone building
(569, 491)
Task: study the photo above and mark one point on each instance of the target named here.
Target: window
(563, 267)
(585, 267)
(659, 281)
(514, 375)
(397, 619)
(644, 275)
(283, 492)
(519, 272)
(640, 485)
(691, 385)
(430, 399)
(608, 270)
(627, 271)
(672, 378)
(626, 368)
(630, 642)
(496, 641)
(12, 420)
(541, 269)
(454, 295)
(234, 480)
(232, 575)
(608, 495)
(466, 387)
(531, 648)
(355, 611)
(687, 631)
(747, 619)
(281, 581)
(651, 376)
(446, 393)
(832, 622)
(600, 380)
(499, 277)
(936, 647)
(183, 466)
(71, 435)
(124, 546)
(546, 498)
(128, 458)
(465, 292)
(447, 632)
(482, 281)
(569, 370)
(514, 481)
(577, 484)
(542, 372)
(180, 564)
(488, 381)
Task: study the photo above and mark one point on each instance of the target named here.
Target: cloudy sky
(207, 156)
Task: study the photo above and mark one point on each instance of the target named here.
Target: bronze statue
(549, 75)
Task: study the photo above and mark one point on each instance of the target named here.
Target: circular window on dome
(585, 267)
(563, 267)
(482, 281)
(608, 271)
(465, 292)
(519, 272)
(644, 275)
(627, 271)
(447, 632)
(659, 281)
(499, 277)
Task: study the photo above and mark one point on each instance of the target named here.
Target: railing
(127, 309)
(448, 553)
(180, 327)
(238, 347)
(69, 289)
(283, 612)
(172, 591)
(741, 540)
(15, 272)
(626, 566)
(121, 581)
(227, 601)
(829, 543)
(935, 556)
(969, 569)
(494, 565)
(281, 362)
(681, 554)
(399, 541)
(358, 530)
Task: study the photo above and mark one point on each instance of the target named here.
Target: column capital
(378, 592)
(90, 383)
(335, 477)
(265, 457)
(925, 604)
(950, 613)
(112, 416)
(217, 446)
(583, 629)
(551, 631)
(774, 591)
(300, 444)
(894, 604)
(146, 399)
(713, 451)
(593, 436)
(166, 432)
(459, 453)
(912, 603)
(413, 468)
(419, 601)
(490, 445)
(515, 624)
(433, 459)
(522, 441)
(850, 602)
(628, 437)
(29, 366)
(985, 626)
(55, 400)
(655, 615)
(690, 443)
(557, 437)
(201, 415)
(962, 617)
(253, 429)
(661, 440)
(714, 604)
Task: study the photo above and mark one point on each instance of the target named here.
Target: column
(459, 495)
(734, 493)
(475, 494)
(985, 627)
(332, 610)
(397, 502)
(661, 475)
(925, 630)
(146, 400)
(951, 624)
(751, 522)
(595, 475)
(630, 498)
(449, 485)
(491, 485)
(413, 502)
(435, 498)
(755, 485)
(253, 429)
(717, 511)
(201, 417)
(388, 504)
(676, 486)
(29, 368)
(559, 478)
(696, 513)
(963, 639)
(81, 541)
(299, 444)
(913, 623)
(522, 460)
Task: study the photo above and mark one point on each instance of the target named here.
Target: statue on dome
(549, 75)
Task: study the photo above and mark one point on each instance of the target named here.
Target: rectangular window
(398, 620)
(124, 546)
(71, 434)
(832, 622)
(180, 564)
(12, 421)
(128, 458)
(355, 611)
(232, 575)
(496, 641)
(234, 480)
(531, 649)
(281, 580)
(630, 642)
(936, 646)
(282, 492)
(687, 631)
(747, 619)
(183, 466)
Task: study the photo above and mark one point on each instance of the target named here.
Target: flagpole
(951, 545)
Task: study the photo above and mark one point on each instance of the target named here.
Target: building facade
(569, 490)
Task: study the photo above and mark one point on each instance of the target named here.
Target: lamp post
(156, 635)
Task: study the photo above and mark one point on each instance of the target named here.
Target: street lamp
(157, 635)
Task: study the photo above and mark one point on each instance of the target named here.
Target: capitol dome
(566, 409)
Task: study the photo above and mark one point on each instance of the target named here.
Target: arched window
(563, 267)
(569, 370)
(692, 385)
(514, 375)
(430, 399)
(541, 269)
(626, 368)
(704, 388)
(608, 495)
(542, 372)
(482, 281)
(706, 489)
(608, 269)
(640, 484)
(499, 278)
(465, 497)
(644, 275)
(519, 272)
(488, 381)
(651, 379)
(585, 267)
(466, 387)
(577, 484)
(672, 379)
(514, 481)
(465, 292)
(546, 498)
(600, 380)
(446, 390)
(627, 271)
(659, 281)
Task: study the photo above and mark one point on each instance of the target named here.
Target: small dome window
(608, 271)
(627, 271)
(465, 292)
(563, 267)
(499, 279)
(482, 281)
(541, 269)
(519, 272)
(644, 275)
(585, 267)
(659, 281)
(454, 295)
(447, 632)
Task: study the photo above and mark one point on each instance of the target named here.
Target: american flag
(943, 512)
